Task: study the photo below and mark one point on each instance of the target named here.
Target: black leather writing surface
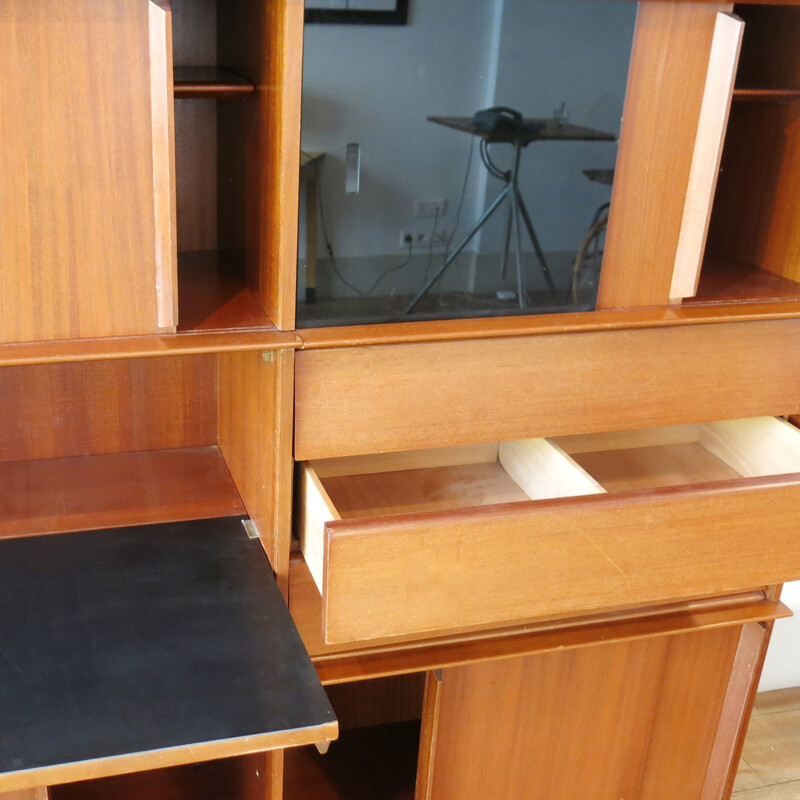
(135, 639)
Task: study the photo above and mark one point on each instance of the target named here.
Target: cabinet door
(679, 92)
(648, 718)
(86, 169)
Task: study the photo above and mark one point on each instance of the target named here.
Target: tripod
(516, 211)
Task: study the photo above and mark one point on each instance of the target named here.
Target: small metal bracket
(266, 356)
(322, 747)
(250, 527)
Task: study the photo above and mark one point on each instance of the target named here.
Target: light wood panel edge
(314, 510)
(168, 757)
(714, 111)
(40, 793)
(164, 186)
(427, 738)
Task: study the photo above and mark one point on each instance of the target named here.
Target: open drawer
(455, 538)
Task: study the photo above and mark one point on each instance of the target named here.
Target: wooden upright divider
(255, 424)
(654, 175)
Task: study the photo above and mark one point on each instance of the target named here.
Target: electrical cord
(430, 247)
(329, 249)
(490, 165)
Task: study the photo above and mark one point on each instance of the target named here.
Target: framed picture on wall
(358, 12)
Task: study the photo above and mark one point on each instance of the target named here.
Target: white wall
(576, 52)
(782, 667)
(377, 85)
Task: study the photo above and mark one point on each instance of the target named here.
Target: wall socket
(422, 239)
(427, 209)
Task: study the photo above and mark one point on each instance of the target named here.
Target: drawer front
(399, 397)
(419, 573)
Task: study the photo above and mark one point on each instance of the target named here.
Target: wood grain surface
(88, 492)
(264, 42)
(622, 720)
(388, 576)
(400, 397)
(84, 224)
(667, 78)
(58, 410)
(255, 421)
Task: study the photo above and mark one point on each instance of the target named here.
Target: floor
(770, 765)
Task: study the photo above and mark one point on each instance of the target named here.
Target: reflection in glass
(406, 96)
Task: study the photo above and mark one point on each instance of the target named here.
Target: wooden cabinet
(575, 525)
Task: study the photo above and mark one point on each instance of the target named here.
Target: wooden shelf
(766, 95)
(103, 491)
(724, 281)
(213, 297)
(209, 83)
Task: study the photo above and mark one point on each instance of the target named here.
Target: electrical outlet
(422, 239)
(428, 209)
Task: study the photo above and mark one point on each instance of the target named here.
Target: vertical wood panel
(428, 735)
(77, 191)
(687, 715)
(264, 42)
(255, 428)
(736, 710)
(552, 727)
(88, 408)
(666, 85)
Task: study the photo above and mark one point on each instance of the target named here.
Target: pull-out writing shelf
(148, 646)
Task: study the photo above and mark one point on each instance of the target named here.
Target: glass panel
(401, 184)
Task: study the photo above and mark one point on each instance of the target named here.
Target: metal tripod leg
(518, 249)
(507, 240)
(508, 190)
(535, 242)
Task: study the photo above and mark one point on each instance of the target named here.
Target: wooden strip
(209, 82)
(400, 575)
(381, 662)
(713, 119)
(72, 494)
(666, 81)
(314, 510)
(735, 711)
(543, 470)
(402, 397)
(163, 125)
(409, 459)
(40, 793)
(428, 735)
(626, 440)
(754, 447)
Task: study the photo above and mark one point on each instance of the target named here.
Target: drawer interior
(536, 469)
(687, 454)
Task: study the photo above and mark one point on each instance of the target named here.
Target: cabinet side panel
(77, 193)
(264, 42)
(400, 397)
(88, 408)
(255, 424)
(666, 85)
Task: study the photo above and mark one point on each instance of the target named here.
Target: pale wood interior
(688, 454)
